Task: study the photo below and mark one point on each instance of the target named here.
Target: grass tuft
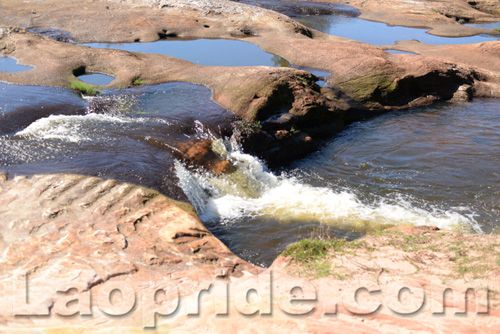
(307, 249)
(84, 88)
(137, 82)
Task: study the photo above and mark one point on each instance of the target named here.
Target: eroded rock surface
(147, 20)
(422, 261)
(363, 78)
(94, 235)
(373, 78)
(84, 231)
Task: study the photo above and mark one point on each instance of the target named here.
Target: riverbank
(88, 237)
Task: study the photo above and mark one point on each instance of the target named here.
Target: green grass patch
(496, 29)
(312, 249)
(84, 88)
(321, 269)
(314, 255)
(477, 270)
(137, 82)
(410, 243)
(307, 249)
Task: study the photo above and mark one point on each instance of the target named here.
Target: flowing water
(437, 166)
(52, 130)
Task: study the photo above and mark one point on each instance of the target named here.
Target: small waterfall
(253, 191)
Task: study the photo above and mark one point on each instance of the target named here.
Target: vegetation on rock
(137, 82)
(84, 88)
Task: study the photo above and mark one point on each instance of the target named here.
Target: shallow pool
(380, 33)
(11, 65)
(96, 79)
(212, 52)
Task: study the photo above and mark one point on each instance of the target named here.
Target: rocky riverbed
(71, 240)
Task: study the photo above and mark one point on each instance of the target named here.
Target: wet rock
(58, 35)
(3, 175)
(463, 94)
(197, 154)
(201, 154)
(282, 134)
(283, 121)
(433, 78)
(290, 147)
(279, 148)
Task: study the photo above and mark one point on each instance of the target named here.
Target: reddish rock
(197, 154)
(201, 154)
(94, 236)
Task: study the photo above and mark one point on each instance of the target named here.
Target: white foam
(69, 128)
(253, 191)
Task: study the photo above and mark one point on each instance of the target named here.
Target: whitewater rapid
(253, 191)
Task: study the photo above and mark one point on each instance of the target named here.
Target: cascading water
(431, 167)
(253, 191)
(253, 209)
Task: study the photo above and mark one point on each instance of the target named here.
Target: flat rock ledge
(81, 231)
(86, 255)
